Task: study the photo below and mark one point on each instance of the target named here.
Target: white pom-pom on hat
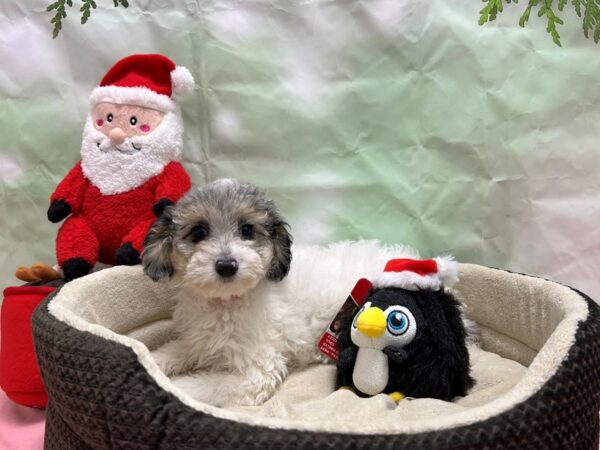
(447, 269)
(182, 81)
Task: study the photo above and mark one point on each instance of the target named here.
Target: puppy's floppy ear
(157, 256)
(282, 252)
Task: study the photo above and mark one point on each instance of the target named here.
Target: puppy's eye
(247, 231)
(199, 233)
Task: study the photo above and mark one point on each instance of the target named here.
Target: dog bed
(537, 372)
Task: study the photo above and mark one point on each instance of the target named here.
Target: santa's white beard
(114, 171)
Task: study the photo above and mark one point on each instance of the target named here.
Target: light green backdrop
(401, 120)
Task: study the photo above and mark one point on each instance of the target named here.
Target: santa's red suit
(100, 224)
(113, 195)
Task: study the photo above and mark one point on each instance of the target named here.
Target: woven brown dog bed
(105, 392)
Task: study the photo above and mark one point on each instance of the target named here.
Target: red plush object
(129, 170)
(100, 224)
(145, 80)
(150, 71)
(19, 373)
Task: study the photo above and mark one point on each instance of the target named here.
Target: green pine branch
(60, 6)
(589, 10)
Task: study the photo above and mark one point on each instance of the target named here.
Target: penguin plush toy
(408, 338)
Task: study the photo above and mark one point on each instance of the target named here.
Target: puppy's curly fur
(238, 330)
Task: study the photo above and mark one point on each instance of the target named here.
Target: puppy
(237, 329)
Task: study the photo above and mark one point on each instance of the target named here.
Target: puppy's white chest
(371, 371)
(221, 336)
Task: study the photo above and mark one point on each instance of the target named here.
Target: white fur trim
(410, 281)
(139, 96)
(114, 172)
(182, 81)
(447, 269)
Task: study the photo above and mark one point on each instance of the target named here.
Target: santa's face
(126, 145)
(122, 122)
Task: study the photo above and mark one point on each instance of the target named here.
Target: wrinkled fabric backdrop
(398, 120)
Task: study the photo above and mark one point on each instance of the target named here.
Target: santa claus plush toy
(129, 170)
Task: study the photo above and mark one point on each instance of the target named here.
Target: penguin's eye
(397, 323)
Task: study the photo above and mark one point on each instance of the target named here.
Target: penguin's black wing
(345, 365)
(347, 352)
(445, 366)
(396, 354)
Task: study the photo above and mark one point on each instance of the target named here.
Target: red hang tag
(328, 341)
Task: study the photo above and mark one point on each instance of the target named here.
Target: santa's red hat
(144, 80)
(416, 274)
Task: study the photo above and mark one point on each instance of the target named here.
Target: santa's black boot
(127, 255)
(75, 268)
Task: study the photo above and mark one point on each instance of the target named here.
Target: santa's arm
(174, 182)
(68, 195)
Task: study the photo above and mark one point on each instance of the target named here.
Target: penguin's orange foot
(347, 388)
(397, 396)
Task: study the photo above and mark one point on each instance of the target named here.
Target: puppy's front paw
(245, 400)
(161, 360)
(168, 362)
(261, 382)
(252, 397)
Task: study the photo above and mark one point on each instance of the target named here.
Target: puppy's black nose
(226, 267)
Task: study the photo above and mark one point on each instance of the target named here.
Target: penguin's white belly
(371, 371)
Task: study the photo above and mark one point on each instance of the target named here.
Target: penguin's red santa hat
(417, 274)
(144, 80)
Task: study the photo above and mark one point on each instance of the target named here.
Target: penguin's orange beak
(371, 322)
